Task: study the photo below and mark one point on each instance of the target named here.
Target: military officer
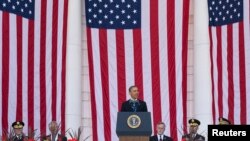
(18, 131)
(193, 128)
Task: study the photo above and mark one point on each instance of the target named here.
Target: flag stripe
(13, 70)
(171, 65)
(212, 73)
(19, 114)
(129, 60)
(154, 30)
(225, 73)
(215, 71)
(54, 58)
(146, 56)
(5, 70)
(98, 83)
(138, 61)
(113, 90)
(121, 75)
(48, 61)
(31, 75)
(1, 59)
(59, 61)
(37, 117)
(178, 66)
(230, 72)
(42, 65)
(92, 84)
(37, 69)
(163, 65)
(185, 21)
(25, 72)
(242, 68)
(63, 75)
(219, 64)
(105, 82)
(247, 53)
(236, 72)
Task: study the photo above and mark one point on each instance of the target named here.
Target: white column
(73, 66)
(202, 67)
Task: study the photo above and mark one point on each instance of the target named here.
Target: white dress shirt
(160, 137)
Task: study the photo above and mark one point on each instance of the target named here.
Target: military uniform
(18, 136)
(196, 137)
(193, 136)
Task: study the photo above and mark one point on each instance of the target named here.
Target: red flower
(31, 139)
(73, 139)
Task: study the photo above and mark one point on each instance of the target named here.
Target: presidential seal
(134, 121)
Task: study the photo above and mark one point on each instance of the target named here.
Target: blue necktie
(134, 105)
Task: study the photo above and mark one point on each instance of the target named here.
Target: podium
(133, 126)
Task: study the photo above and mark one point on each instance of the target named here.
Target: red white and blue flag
(32, 69)
(229, 22)
(142, 43)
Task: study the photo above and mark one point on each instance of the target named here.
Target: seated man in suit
(18, 131)
(160, 127)
(134, 104)
(224, 121)
(193, 128)
(54, 133)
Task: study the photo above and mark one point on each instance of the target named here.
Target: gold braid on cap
(18, 126)
(193, 124)
(223, 122)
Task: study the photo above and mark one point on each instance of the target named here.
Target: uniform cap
(194, 122)
(224, 121)
(17, 124)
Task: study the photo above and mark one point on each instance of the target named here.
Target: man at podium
(134, 104)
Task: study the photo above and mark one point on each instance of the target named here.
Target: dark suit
(140, 105)
(60, 138)
(165, 138)
(198, 137)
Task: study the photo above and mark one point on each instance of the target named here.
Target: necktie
(134, 105)
(160, 138)
(53, 137)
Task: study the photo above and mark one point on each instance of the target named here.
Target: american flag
(230, 59)
(143, 43)
(32, 69)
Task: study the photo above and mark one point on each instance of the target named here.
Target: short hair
(52, 123)
(131, 87)
(159, 123)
